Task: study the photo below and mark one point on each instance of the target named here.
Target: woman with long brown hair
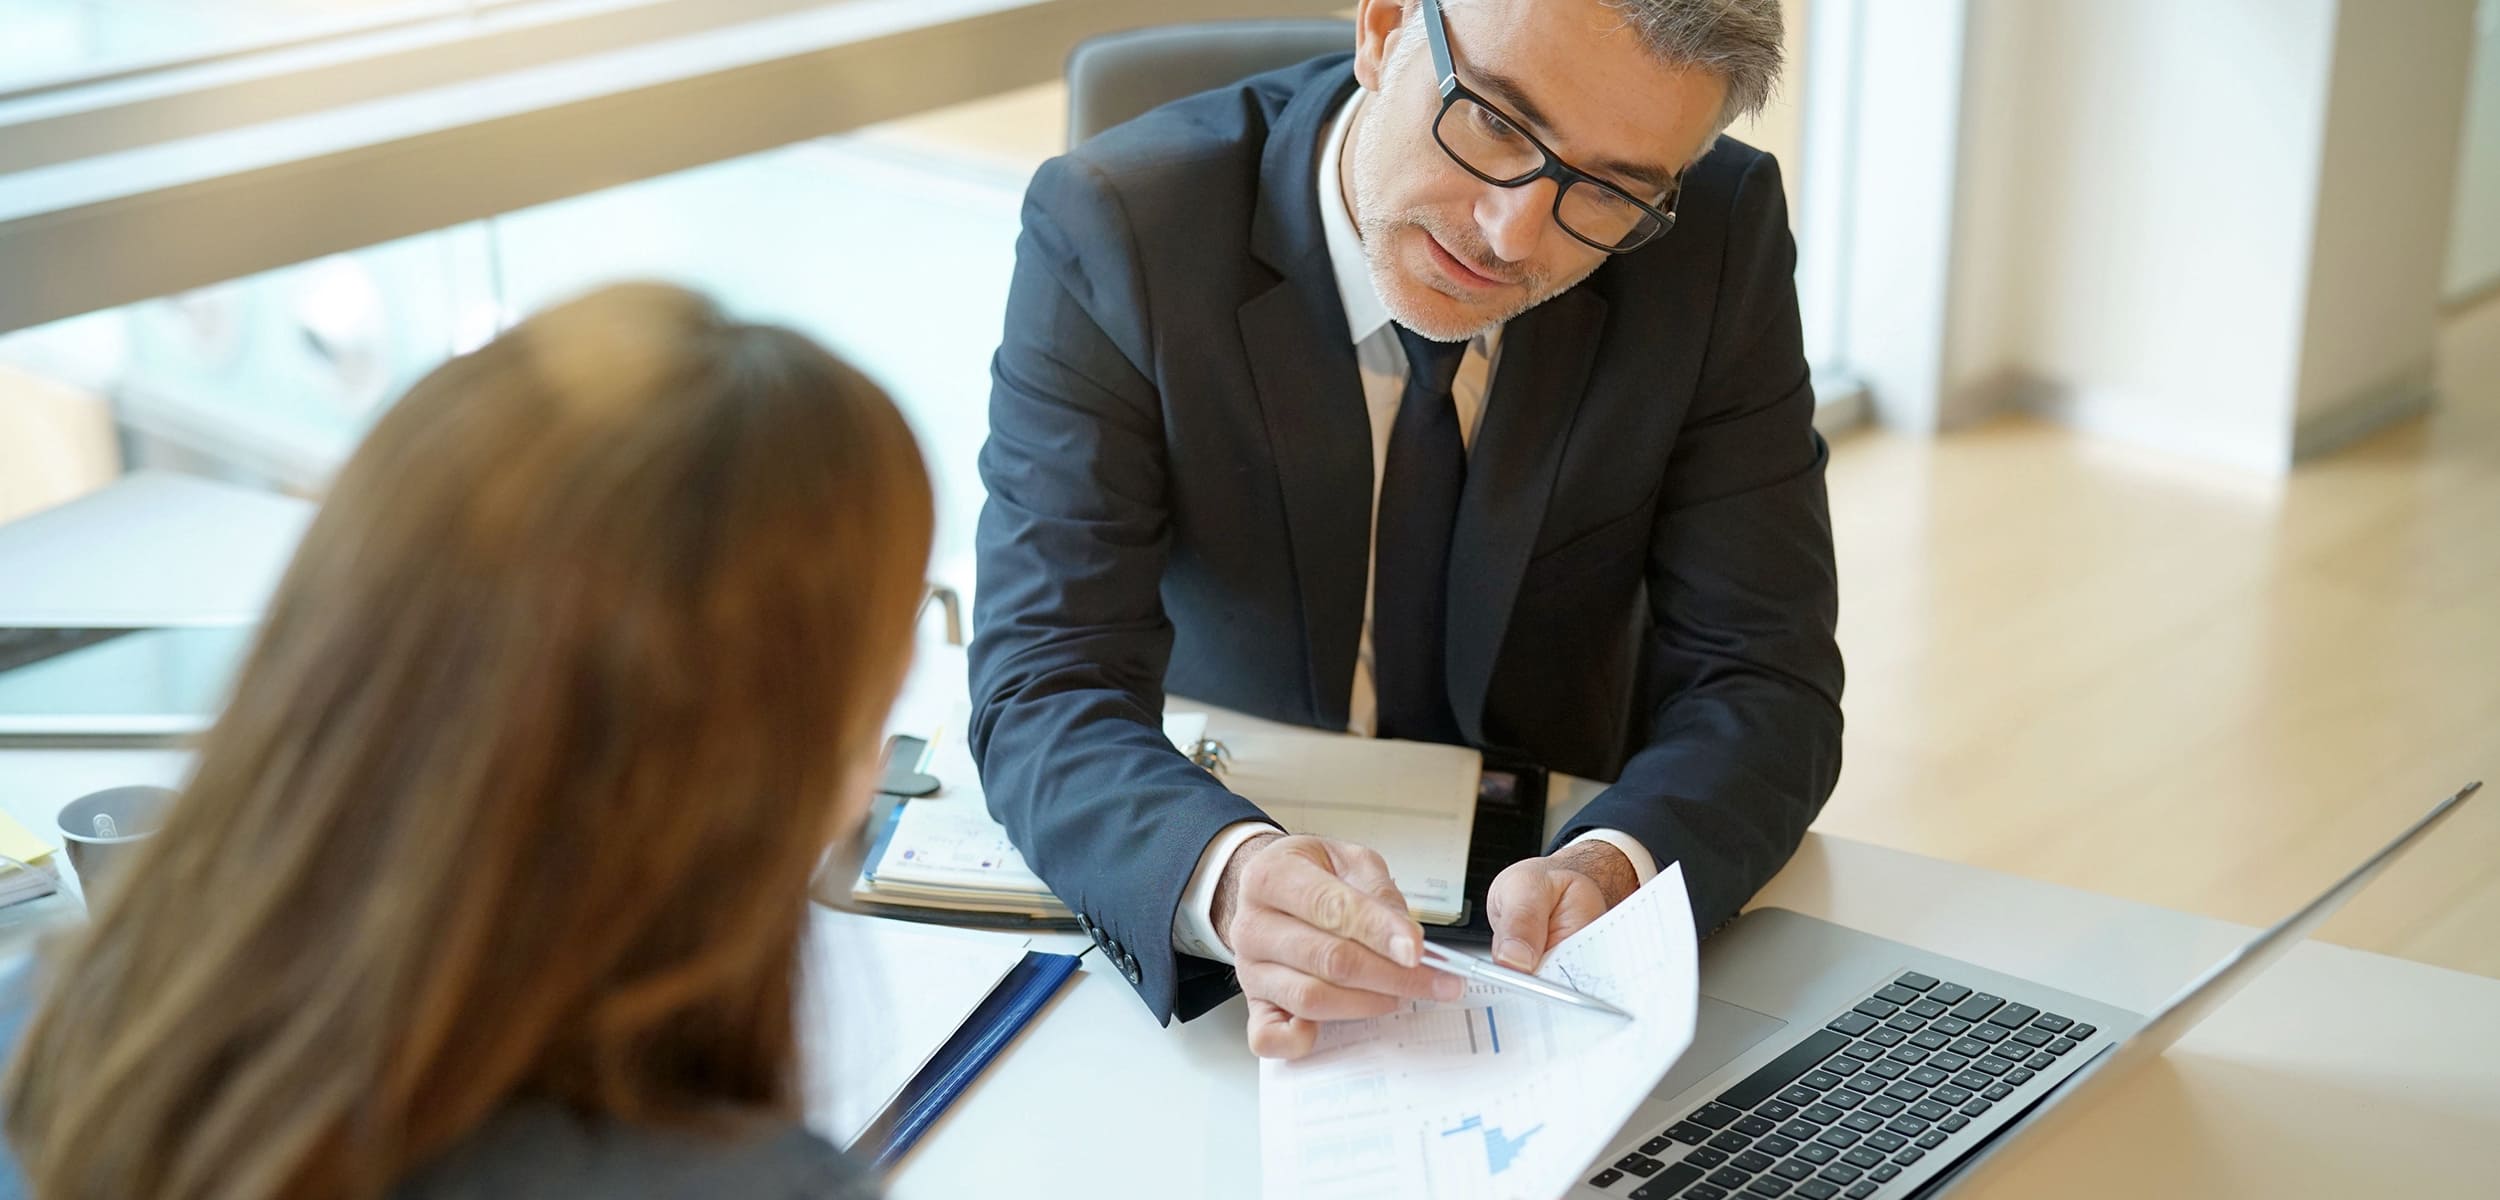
(493, 875)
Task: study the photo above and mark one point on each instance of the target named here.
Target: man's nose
(1513, 220)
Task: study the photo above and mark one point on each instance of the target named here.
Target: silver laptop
(1833, 1063)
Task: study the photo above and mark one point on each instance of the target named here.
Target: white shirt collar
(1364, 311)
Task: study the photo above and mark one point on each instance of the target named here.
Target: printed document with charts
(1496, 1095)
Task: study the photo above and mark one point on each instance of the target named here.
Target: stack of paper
(882, 997)
(1497, 1095)
(25, 870)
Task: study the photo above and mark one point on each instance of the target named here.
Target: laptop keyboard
(1855, 1103)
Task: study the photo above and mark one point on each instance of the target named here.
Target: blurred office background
(2159, 343)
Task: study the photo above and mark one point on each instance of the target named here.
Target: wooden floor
(2103, 668)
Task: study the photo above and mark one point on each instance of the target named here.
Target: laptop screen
(74, 682)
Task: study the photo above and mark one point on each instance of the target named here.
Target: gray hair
(1737, 40)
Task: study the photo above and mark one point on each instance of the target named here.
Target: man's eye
(1494, 125)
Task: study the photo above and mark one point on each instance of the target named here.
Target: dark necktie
(1419, 489)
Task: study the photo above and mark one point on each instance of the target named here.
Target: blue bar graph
(1500, 1151)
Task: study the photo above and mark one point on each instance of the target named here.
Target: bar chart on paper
(1494, 1096)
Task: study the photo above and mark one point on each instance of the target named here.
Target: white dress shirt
(1381, 359)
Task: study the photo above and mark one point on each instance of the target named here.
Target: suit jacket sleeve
(1071, 638)
(1744, 745)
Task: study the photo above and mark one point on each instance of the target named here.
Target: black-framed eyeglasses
(1495, 147)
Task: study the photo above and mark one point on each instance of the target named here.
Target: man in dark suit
(1451, 392)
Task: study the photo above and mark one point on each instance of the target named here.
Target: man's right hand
(1318, 932)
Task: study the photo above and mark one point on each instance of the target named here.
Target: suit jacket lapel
(1546, 356)
(1311, 395)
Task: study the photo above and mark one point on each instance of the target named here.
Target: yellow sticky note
(19, 843)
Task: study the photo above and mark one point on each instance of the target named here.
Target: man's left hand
(1535, 903)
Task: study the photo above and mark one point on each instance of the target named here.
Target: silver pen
(1460, 963)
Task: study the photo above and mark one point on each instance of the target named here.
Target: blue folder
(1003, 1014)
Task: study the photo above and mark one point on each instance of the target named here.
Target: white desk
(2339, 1073)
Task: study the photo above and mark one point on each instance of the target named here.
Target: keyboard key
(1820, 1114)
(1915, 982)
(1992, 1066)
(1951, 1026)
(1885, 1106)
(1950, 993)
(1950, 1097)
(1730, 1141)
(1930, 1139)
(1878, 1009)
(1798, 1095)
(1998, 1091)
(1886, 1037)
(1929, 1110)
(1705, 1157)
(1729, 1177)
(1948, 1062)
(1836, 1136)
(1639, 1164)
(1844, 1098)
(1908, 1155)
(1842, 1172)
(1816, 1189)
(1605, 1178)
(1703, 1191)
(1794, 1170)
(1753, 1162)
(1677, 1177)
(1929, 1075)
(1907, 1091)
(1861, 1191)
(1851, 1023)
(1688, 1133)
(1884, 1173)
(1975, 1108)
(2061, 1045)
(1716, 1116)
(1929, 1039)
(1821, 1081)
(1767, 1186)
(1863, 1051)
(1775, 1145)
(1927, 1008)
(1655, 1146)
(2040, 1062)
(1816, 1152)
(1991, 1034)
(1886, 1069)
(1862, 1122)
(1953, 1122)
(2052, 1022)
(1973, 1080)
(2013, 1016)
(1907, 1126)
(1969, 1047)
(2080, 1032)
(2010, 1064)
(1862, 1157)
(1896, 994)
(1777, 1110)
(1907, 1054)
(1868, 1084)
(1904, 1022)
(1753, 1126)
(1978, 1006)
(2021, 1077)
(1886, 1143)
(2034, 1038)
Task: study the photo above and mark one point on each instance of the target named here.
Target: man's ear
(1377, 24)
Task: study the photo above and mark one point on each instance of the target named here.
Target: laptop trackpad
(1720, 1033)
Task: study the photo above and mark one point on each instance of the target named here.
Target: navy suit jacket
(1179, 471)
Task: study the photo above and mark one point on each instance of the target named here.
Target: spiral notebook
(944, 858)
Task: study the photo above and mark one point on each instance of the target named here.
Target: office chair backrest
(1121, 75)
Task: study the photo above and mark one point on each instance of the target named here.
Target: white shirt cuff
(1644, 865)
(1193, 923)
